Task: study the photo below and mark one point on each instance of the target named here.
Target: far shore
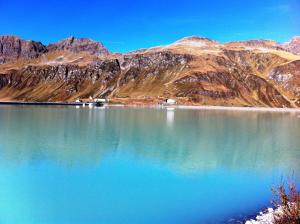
(40, 103)
(263, 109)
(176, 106)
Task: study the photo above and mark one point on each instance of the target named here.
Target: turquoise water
(61, 165)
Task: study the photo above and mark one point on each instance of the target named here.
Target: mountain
(77, 45)
(269, 44)
(12, 48)
(293, 46)
(193, 70)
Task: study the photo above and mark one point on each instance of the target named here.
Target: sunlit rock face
(77, 45)
(193, 70)
(60, 82)
(293, 45)
(12, 48)
(288, 77)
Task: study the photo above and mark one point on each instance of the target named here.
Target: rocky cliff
(77, 45)
(193, 70)
(293, 46)
(12, 48)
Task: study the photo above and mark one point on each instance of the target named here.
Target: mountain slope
(193, 70)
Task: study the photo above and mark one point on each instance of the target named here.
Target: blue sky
(129, 25)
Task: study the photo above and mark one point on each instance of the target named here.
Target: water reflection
(170, 117)
(185, 140)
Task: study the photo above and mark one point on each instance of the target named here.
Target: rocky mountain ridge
(77, 45)
(193, 70)
(293, 45)
(13, 47)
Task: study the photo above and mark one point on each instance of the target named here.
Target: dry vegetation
(287, 197)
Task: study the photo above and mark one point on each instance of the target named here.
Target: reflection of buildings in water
(170, 116)
(201, 140)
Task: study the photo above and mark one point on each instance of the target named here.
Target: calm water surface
(61, 165)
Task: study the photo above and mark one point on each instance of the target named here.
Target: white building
(101, 100)
(171, 101)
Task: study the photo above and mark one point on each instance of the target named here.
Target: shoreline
(226, 108)
(255, 109)
(267, 216)
(40, 103)
(177, 106)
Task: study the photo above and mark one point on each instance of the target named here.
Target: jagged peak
(13, 47)
(15, 37)
(72, 39)
(10, 36)
(293, 45)
(78, 45)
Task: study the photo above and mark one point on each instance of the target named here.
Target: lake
(61, 165)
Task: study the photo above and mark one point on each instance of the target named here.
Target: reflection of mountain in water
(183, 139)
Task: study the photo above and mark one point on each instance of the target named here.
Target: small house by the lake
(170, 101)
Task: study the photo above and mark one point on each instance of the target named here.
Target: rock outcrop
(287, 76)
(293, 46)
(194, 70)
(77, 45)
(12, 48)
(109, 77)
